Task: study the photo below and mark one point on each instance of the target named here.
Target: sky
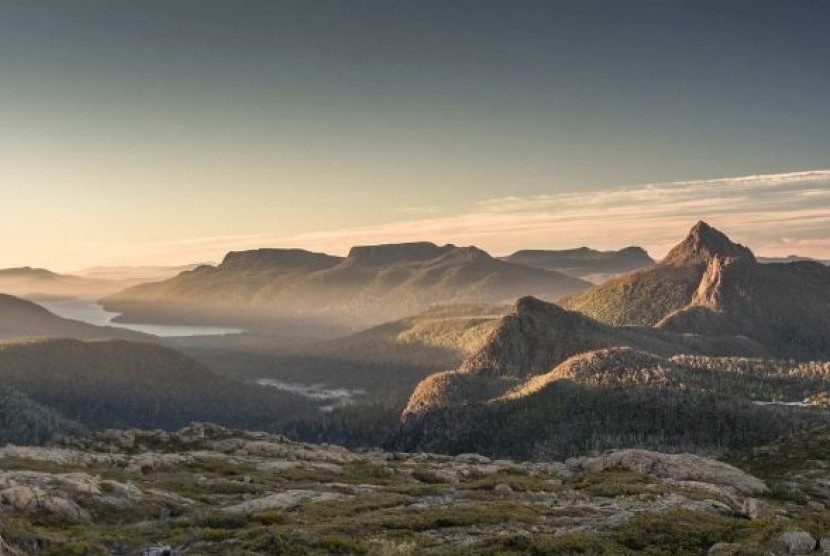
(172, 131)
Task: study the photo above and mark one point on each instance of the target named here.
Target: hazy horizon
(163, 133)
(791, 220)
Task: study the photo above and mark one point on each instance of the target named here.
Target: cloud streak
(771, 213)
(775, 215)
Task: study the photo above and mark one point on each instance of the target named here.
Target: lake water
(87, 310)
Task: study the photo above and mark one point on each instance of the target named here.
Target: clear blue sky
(131, 129)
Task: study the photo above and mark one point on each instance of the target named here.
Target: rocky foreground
(210, 490)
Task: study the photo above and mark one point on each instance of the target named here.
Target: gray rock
(286, 500)
(472, 458)
(19, 497)
(681, 467)
(65, 509)
(794, 542)
(503, 489)
(754, 508)
(730, 549)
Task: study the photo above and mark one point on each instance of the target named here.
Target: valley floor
(211, 490)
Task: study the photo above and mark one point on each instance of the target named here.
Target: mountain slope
(24, 421)
(621, 397)
(786, 307)
(584, 262)
(646, 296)
(237, 492)
(536, 337)
(372, 285)
(709, 285)
(104, 384)
(21, 319)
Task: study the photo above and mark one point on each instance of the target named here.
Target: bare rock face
(702, 244)
(679, 467)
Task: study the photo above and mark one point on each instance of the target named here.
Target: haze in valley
(414, 277)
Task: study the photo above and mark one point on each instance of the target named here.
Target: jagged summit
(273, 259)
(704, 243)
(398, 252)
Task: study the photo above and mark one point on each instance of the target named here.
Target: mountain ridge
(584, 262)
(372, 285)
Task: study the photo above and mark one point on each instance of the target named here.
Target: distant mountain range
(92, 283)
(132, 275)
(584, 262)
(791, 259)
(39, 283)
(371, 285)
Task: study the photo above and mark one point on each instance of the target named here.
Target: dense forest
(116, 384)
(622, 397)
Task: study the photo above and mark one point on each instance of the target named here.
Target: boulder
(503, 490)
(754, 508)
(794, 542)
(680, 467)
(65, 509)
(19, 497)
(472, 458)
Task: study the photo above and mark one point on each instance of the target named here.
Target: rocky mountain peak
(702, 244)
(530, 339)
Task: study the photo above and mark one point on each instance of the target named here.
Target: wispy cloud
(772, 213)
(776, 214)
(420, 211)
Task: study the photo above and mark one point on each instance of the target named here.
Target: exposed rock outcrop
(704, 243)
(678, 467)
(211, 482)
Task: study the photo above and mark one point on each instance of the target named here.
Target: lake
(88, 310)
